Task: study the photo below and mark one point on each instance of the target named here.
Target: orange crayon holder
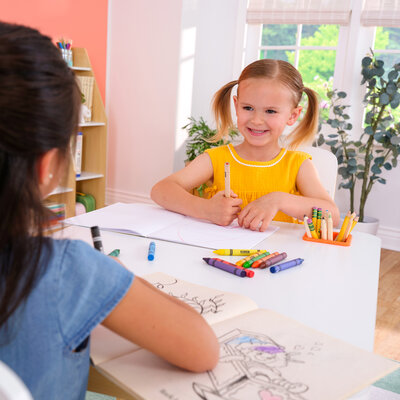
(347, 242)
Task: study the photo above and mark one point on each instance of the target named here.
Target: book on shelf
(152, 221)
(263, 355)
(78, 154)
(86, 84)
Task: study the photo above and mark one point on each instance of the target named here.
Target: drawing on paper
(209, 305)
(252, 366)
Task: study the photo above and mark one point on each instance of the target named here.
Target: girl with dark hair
(54, 292)
(268, 182)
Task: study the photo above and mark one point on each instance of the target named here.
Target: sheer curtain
(381, 13)
(311, 12)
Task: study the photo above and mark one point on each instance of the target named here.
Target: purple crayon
(273, 260)
(232, 268)
(286, 265)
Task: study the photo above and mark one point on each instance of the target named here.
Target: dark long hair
(39, 108)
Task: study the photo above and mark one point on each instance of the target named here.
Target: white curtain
(381, 13)
(312, 12)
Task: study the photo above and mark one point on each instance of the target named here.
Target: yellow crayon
(236, 252)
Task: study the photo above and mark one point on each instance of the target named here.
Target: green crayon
(248, 263)
(115, 253)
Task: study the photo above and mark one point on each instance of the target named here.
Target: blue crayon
(152, 250)
(286, 265)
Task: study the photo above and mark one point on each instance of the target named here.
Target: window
(325, 40)
(310, 48)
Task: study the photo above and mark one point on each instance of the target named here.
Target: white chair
(327, 166)
(11, 386)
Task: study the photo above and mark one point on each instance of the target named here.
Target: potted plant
(200, 139)
(362, 160)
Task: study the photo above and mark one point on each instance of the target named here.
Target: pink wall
(83, 21)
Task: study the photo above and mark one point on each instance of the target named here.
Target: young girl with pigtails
(268, 182)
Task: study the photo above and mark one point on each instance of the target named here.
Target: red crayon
(273, 260)
(249, 273)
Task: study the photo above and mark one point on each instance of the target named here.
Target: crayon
(227, 180)
(152, 250)
(248, 263)
(273, 260)
(249, 272)
(312, 229)
(243, 260)
(237, 252)
(256, 264)
(225, 266)
(97, 243)
(115, 253)
(286, 265)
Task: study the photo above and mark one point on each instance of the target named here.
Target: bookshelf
(93, 175)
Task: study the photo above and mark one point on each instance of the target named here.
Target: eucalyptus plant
(199, 140)
(378, 146)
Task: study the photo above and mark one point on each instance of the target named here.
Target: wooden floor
(387, 330)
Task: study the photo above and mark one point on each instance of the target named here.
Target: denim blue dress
(47, 340)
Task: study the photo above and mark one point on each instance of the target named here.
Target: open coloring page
(263, 356)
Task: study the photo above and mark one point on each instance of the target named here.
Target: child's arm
(165, 326)
(313, 194)
(173, 193)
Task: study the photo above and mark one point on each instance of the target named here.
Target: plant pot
(370, 225)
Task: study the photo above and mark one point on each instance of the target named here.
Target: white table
(334, 290)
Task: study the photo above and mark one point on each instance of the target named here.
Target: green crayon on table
(115, 253)
(248, 263)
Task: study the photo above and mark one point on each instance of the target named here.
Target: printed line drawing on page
(256, 365)
(203, 306)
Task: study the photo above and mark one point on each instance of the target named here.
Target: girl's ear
(47, 169)
(235, 102)
(294, 115)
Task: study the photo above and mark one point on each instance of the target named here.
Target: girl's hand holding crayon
(259, 212)
(223, 210)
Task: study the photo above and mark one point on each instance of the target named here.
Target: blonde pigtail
(221, 107)
(305, 132)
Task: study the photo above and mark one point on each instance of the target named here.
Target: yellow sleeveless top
(253, 179)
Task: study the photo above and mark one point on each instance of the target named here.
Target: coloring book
(152, 221)
(263, 356)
